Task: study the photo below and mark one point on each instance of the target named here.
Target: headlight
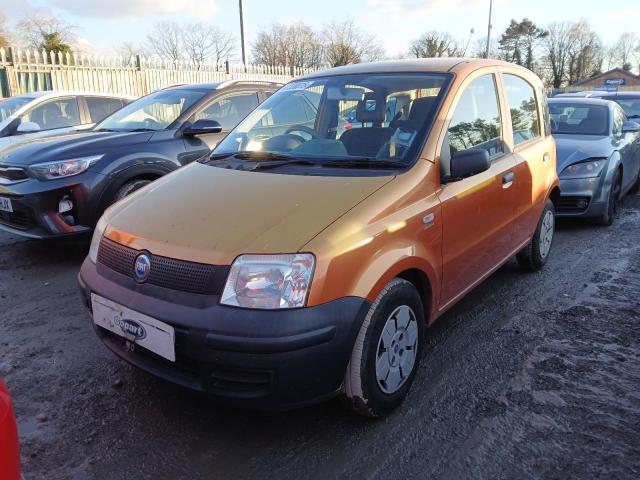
(588, 169)
(269, 281)
(95, 241)
(63, 168)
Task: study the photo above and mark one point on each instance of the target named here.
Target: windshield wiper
(364, 162)
(254, 156)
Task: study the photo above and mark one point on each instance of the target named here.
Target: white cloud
(120, 9)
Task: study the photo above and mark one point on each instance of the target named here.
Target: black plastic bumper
(261, 358)
(35, 205)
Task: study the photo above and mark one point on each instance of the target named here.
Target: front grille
(165, 272)
(12, 174)
(17, 219)
(573, 204)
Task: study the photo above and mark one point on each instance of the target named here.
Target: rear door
(478, 210)
(99, 108)
(529, 138)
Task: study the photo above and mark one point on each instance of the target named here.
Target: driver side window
(229, 110)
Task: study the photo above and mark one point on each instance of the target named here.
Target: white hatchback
(41, 114)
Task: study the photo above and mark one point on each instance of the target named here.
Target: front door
(478, 210)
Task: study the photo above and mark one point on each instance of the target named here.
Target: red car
(10, 452)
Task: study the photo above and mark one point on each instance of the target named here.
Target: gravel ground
(530, 376)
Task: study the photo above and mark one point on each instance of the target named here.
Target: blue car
(598, 152)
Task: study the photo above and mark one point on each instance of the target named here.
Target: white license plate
(136, 327)
(5, 204)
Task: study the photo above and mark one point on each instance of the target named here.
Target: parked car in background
(629, 101)
(584, 93)
(42, 114)
(59, 186)
(598, 156)
(305, 262)
(9, 448)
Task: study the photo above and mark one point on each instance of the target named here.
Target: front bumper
(35, 205)
(584, 197)
(275, 359)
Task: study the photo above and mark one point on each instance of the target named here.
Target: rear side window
(229, 109)
(60, 113)
(101, 107)
(476, 121)
(524, 111)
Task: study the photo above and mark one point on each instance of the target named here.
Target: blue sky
(107, 23)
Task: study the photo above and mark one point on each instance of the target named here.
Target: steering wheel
(302, 128)
(151, 123)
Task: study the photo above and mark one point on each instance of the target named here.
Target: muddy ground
(530, 376)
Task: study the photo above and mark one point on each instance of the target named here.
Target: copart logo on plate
(131, 328)
(142, 267)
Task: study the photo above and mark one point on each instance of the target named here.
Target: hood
(66, 146)
(211, 215)
(575, 148)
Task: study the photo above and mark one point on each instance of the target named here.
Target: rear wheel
(387, 351)
(613, 201)
(130, 187)
(534, 255)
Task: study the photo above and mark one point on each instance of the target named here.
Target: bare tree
(626, 48)
(435, 44)
(296, 45)
(480, 47)
(345, 43)
(165, 40)
(557, 47)
(5, 35)
(46, 32)
(206, 42)
(586, 54)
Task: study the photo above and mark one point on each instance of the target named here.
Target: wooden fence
(23, 71)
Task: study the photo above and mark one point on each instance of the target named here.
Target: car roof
(622, 95)
(435, 65)
(583, 100)
(65, 93)
(220, 85)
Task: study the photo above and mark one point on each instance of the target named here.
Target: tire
(375, 394)
(613, 201)
(535, 254)
(130, 187)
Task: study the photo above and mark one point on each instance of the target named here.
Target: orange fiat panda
(307, 255)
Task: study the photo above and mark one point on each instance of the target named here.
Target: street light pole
(242, 40)
(486, 53)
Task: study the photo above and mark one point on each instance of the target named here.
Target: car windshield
(631, 106)
(355, 121)
(579, 119)
(10, 105)
(153, 112)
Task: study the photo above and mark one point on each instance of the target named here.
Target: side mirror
(28, 127)
(201, 127)
(630, 127)
(469, 162)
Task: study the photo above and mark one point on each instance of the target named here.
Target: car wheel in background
(387, 351)
(535, 254)
(613, 201)
(636, 185)
(130, 187)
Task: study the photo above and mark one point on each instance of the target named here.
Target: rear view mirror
(201, 127)
(630, 126)
(28, 127)
(345, 93)
(469, 162)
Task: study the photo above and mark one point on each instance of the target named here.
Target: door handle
(507, 179)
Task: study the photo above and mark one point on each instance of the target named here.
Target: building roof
(620, 71)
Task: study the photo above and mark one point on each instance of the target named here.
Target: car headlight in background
(589, 169)
(269, 281)
(64, 168)
(95, 240)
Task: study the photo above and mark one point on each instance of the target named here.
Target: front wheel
(613, 201)
(535, 254)
(387, 351)
(130, 187)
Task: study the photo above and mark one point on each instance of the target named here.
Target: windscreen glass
(579, 119)
(369, 117)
